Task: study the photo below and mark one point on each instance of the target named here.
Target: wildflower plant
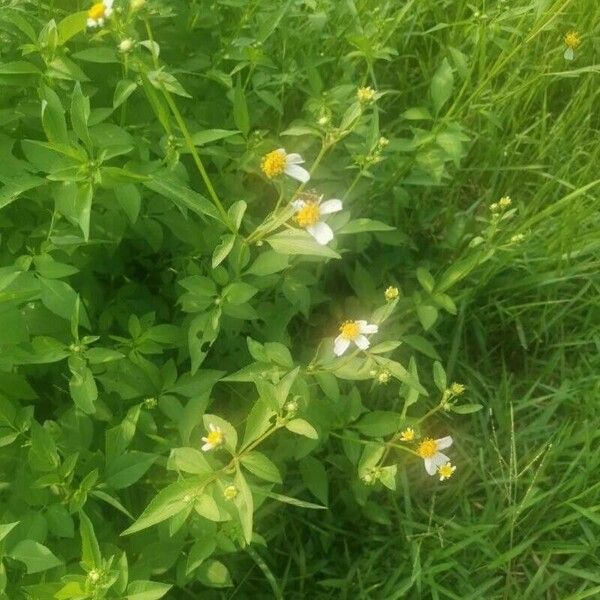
(189, 323)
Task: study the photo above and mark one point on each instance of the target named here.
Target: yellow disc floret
(446, 471)
(572, 40)
(427, 448)
(273, 164)
(350, 330)
(308, 215)
(97, 11)
(215, 438)
(408, 435)
(365, 94)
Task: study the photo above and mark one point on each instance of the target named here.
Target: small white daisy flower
(353, 331)
(214, 438)
(279, 161)
(99, 12)
(309, 213)
(429, 451)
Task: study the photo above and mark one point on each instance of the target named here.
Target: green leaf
(425, 279)
(53, 116)
(162, 80)
(80, 114)
(146, 590)
(90, 550)
(239, 292)
(98, 54)
(214, 574)
(441, 85)
(302, 427)
(379, 423)
(314, 475)
(466, 409)
(168, 502)
(261, 466)
(364, 225)
(223, 249)
(188, 460)
(6, 529)
(427, 315)
(200, 138)
(165, 184)
(295, 241)
(71, 25)
(422, 345)
(84, 391)
(439, 376)
(245, 505)
(199, 552)
(267, 263)
(126, 469)
(59, 297)
(123, 90)
(36, 557)
(240, 109)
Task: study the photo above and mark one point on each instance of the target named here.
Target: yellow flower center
(572, 40)
(214, 437)
(97, 11)
(350, 330)
(408, 435)
(391, 293)
(427, 448)
(308, 215)
(446, 470)
(273, 164)
(365, 94)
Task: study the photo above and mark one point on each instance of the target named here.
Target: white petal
(330, 206)
(298, 204)
(108, 12)
(91, 22)
(569, 54)
(444, 442)
(430, 466)
(294, 159)
(108, 4)
(207, 447)
(297, 172)
(340, 345)
(100, 22)
(362, 342)
(321, 232)
(440, 459)
(367, 328)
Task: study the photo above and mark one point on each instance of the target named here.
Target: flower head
(517, 238)
(126, 45)
(408, 435)
(230, 492)
(572, 40)
(214, 438)
(504, 202)
(99, 12)
(353, 332)
(446, 471)
(278, 161)
(457, 389)
(391, 293)
(365, 95)
(384, 377)
(429, 451)
(309, 213)
(94, 575)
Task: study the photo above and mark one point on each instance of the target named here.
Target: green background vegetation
(479, 103)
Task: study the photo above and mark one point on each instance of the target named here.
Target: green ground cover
(153, 282)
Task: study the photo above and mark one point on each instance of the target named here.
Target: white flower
(429, 451)
(353, 331)
(279, 161)
(309, 213)
(99, 12)
(214, 438)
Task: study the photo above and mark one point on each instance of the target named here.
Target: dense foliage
(234, 258)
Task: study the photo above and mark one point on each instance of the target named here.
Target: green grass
(521, 517)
